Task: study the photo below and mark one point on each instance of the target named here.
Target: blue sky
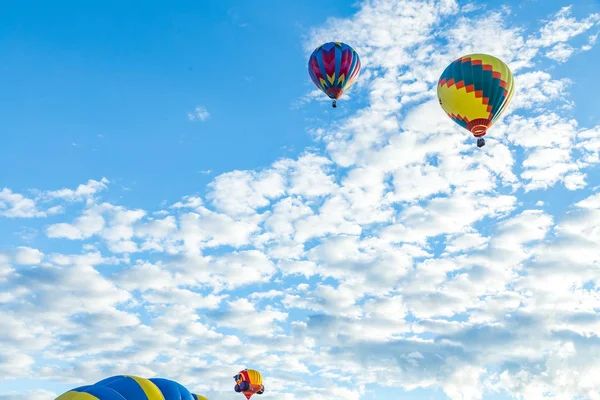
(170, 172)
(132, 74)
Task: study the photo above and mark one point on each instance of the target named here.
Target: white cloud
(83, 191)
(263, 321)
(83, 227)
(466, 241)
(200, 114)
(14, 205)
(536, 88)
(563, 27)
(28, 256)
(242, 192)
(561, 52)
(36, 394)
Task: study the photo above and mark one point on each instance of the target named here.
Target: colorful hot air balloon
(334, 67)
(474, 91)
(127, 387)
(249, 381)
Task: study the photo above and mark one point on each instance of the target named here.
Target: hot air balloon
(127, 387)
(334, 67)
(474, 91)
(248, 382)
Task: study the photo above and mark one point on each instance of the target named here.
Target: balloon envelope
(127, 387)
(249, 382)
(333, 68)
(474, 91)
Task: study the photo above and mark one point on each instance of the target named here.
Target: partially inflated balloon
(474, 91)
(333, 68)
(126, 387)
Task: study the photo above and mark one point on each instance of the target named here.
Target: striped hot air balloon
(333, 68)
(474, 91)
(249, 382)
(127, 387)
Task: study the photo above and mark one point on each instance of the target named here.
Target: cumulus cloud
(28, 256)
(36, 394)
(82, 191)
(15, 205)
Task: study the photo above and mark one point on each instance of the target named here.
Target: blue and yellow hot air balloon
(333, 68)
(474, 91)
(128, 387)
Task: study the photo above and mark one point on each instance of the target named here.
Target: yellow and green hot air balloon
(474, 91)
